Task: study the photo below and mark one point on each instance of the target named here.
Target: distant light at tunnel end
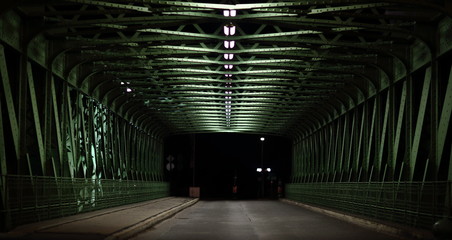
(262, 139)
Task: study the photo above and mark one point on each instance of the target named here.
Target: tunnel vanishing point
(362, 89)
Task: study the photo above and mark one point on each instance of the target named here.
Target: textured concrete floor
(217, 220)
(114, 223)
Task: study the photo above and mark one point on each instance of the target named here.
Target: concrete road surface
(272, 220)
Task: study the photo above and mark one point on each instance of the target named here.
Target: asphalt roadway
(275, 220)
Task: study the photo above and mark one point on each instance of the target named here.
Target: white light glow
(258, 169)
(228, 66)
(229, 30)
(232, 30)
(230, 13)
(269, 169)
(226, 30)
(262, 139)
(226, 13)
(128, 89)
(229, 44)
(228, 56)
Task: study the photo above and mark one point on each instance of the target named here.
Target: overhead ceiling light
(226, 13)
(228, 56)
(229, 30)
(229, 44)
(229, 13)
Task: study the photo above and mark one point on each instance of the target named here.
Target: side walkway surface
(392, 229)
(110, 224)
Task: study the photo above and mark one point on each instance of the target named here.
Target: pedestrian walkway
(112, 224)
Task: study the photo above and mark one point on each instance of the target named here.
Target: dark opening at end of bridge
(225, 165)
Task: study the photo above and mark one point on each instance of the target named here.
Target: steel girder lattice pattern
(295, 65)
(62, 152)
(362, 87)
(402, 134)
(389, 158)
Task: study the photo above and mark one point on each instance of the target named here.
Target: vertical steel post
(444, 123)
(14, 127)
(6, 215)
(37, 122)
(420, 121)
(409, 114)
(383, 136)
(434, 95)
(398, 130)
(391, 160)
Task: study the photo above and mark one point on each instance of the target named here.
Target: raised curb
(401, 233)
(130, 231)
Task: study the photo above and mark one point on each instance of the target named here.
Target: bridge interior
(110, 102)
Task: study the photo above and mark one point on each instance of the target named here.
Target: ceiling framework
(236, 66)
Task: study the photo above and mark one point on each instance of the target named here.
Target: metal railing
(416, 204)
(31, 199)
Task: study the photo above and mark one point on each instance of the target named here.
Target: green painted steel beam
(419, 122)
(165, 60)
(348, 8)
(113, 5)
(6, 85)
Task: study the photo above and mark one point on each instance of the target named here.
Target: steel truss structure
(90, 88)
